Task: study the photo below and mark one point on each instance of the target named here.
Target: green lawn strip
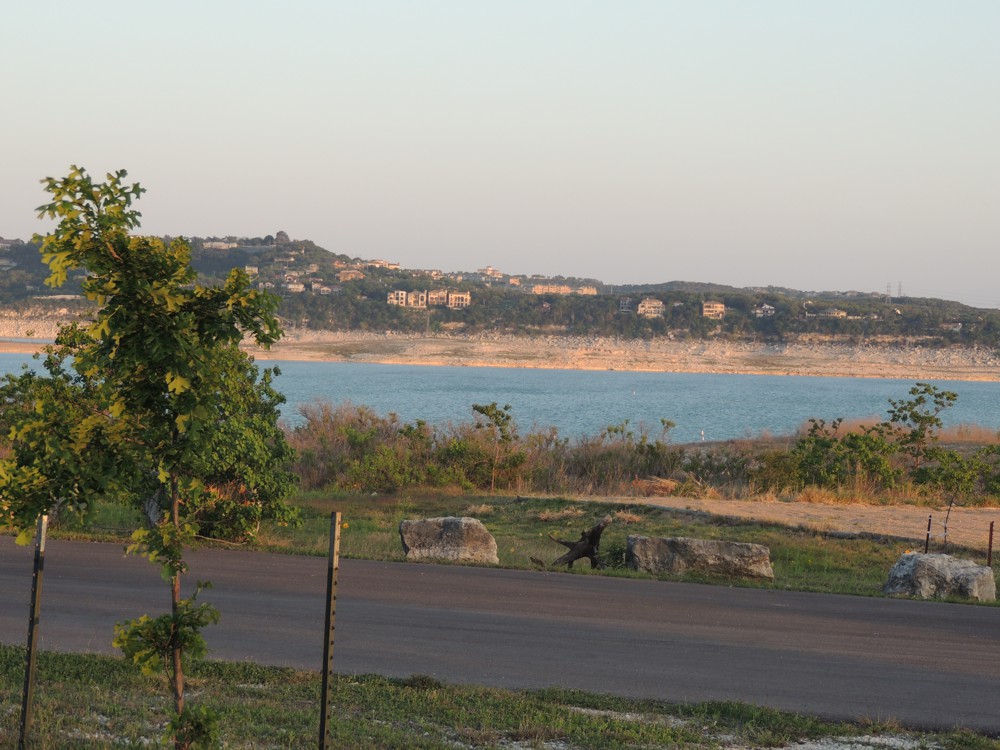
(803, 560)
(103, 702)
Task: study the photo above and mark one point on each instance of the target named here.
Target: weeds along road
(926, 664)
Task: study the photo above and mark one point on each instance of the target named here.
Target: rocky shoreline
(659, 355)
(869, 360)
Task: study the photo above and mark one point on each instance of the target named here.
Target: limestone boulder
(937, 576)
(678, 555)
(450, 538)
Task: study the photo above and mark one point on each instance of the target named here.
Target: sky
(842, 145)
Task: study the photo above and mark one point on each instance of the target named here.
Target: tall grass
(350, 448)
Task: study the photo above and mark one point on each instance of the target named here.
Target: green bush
(351, 448)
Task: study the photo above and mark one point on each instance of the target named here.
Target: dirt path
(968, 527)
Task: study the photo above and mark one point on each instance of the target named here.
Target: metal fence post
(333, 566)
(30, 656)
(989, 551)
(927, 540)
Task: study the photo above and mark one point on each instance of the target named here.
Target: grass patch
(803, 559)
(102, 702)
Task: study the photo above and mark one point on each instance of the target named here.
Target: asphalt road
(926, 664)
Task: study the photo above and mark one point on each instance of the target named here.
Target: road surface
(926, 664)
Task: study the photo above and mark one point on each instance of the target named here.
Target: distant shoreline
(630, 355)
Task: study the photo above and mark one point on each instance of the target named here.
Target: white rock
(448, 538)
(677, 555)
(936, 575)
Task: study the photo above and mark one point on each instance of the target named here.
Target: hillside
(324, 291)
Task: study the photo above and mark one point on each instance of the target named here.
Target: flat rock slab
(449, 538)
(678, 555)
(931, 576)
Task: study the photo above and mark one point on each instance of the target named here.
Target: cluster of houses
(288, 274)
(435, 298)
(283, 276)
(650, 307)
(562, 289)
(293, 281)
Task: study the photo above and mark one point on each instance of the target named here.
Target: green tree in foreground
(160, 350)
(498, 423)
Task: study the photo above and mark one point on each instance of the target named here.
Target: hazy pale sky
(817, 145)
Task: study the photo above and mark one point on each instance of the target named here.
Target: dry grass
(559, 515)
(626, 517)
(765, 495)
(818, 495)
(969, 433)
(972, 434)
(482, 509)
(858, 425)
(655, 487)
(904, 494)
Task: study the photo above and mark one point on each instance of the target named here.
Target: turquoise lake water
(585, 402)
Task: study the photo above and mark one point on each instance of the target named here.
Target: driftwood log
(588, 545)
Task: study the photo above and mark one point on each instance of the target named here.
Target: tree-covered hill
(329, 291)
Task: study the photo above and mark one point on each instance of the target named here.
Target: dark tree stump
(588, 545)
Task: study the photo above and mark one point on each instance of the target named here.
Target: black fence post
(333, 566)
(33, 618)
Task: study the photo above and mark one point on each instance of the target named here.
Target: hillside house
(458, 300)
(407, 299)
(713, 310)
(832, 312)
(650, 307)
(551, 289)
(437, 297)
(763, 311)
(349, 274)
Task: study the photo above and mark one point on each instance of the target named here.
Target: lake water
(585, 402)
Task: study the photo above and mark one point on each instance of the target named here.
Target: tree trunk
(588, 545)
(175, 599)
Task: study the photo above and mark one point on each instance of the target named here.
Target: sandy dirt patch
(967, 527)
